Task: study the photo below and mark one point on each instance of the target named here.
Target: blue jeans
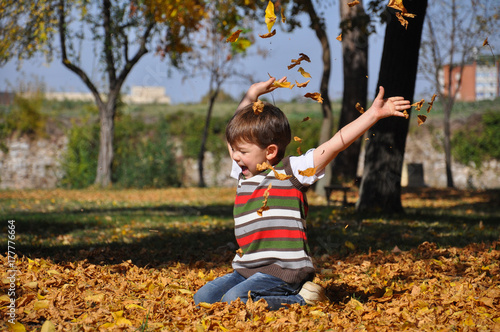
(232, 286)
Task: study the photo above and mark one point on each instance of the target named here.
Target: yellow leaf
(123, 321)
(205, 305)
(48, 326)
(134, 306)
(106, 325)
(258, 107)
(185, 291)
(270, 17)
(117, 314)
(16, 327)
(339, 37)
(43, 304)
(304, 73)
(302, 85)
(285, 84)
(308, 172)
(4, 298)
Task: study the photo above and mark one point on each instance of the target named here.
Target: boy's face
(248, 155)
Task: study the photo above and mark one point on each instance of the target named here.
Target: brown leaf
(234, 36)
(316, 96)
(258, 107)
(360, 108)
(268, 35)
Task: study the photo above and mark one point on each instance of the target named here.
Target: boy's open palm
(392, 106)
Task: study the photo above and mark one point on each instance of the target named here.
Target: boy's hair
(268, 127)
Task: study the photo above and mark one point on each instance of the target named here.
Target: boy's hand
(258, 89)
(392, 106)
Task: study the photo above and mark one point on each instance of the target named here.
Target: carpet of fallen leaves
(423, 289)
(426, 288)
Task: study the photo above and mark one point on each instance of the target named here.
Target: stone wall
(32, 164)
(36, 164)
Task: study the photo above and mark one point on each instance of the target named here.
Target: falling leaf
(315, 96)
(306, 118)
(270, 17)
(299, 151)
(398, 5)
(239, 252)
(308, 172)
(297, 139)
(339, 37)
(283, 19)
(421, 119)
(234, 36)
(431, 103)
(295, 62)
(360, 108)
(418, 105)
(304, 73)
(353, 3)
(268, 35)
(402, 20)
(302, 85)
(258, 107)
(262, 167)
(264, 203)
(284, 84)
(485, 43)
(406, 114)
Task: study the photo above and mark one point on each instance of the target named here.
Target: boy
(271, 206)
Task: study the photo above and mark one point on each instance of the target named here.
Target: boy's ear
(271, 151)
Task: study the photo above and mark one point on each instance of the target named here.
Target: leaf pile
(420, 290)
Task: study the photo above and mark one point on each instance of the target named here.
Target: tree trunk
(107, 113)
(447, 143)
(201, 155)
(317, 24)
(380, 189)
(355, 65)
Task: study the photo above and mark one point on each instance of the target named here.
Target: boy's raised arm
(256, 90)
(381, 108)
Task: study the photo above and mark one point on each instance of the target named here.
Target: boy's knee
(233, 295)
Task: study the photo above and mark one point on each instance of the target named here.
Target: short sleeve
(303, 162)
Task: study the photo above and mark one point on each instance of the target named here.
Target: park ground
(131, 260)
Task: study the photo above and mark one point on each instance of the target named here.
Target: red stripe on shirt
(272, 234)
(243, 199)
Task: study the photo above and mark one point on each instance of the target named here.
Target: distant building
(138, 95)
(480, 79)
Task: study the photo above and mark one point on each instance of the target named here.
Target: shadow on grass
(191, 234)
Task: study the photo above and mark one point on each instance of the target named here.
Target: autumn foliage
(139, 259)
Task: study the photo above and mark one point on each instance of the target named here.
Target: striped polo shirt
(274, 242)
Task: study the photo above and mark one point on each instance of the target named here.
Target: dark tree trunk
(381, 183)
(355, 65)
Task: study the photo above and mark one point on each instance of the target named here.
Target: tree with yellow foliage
(121, 32)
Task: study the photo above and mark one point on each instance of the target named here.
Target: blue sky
(151, 71)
